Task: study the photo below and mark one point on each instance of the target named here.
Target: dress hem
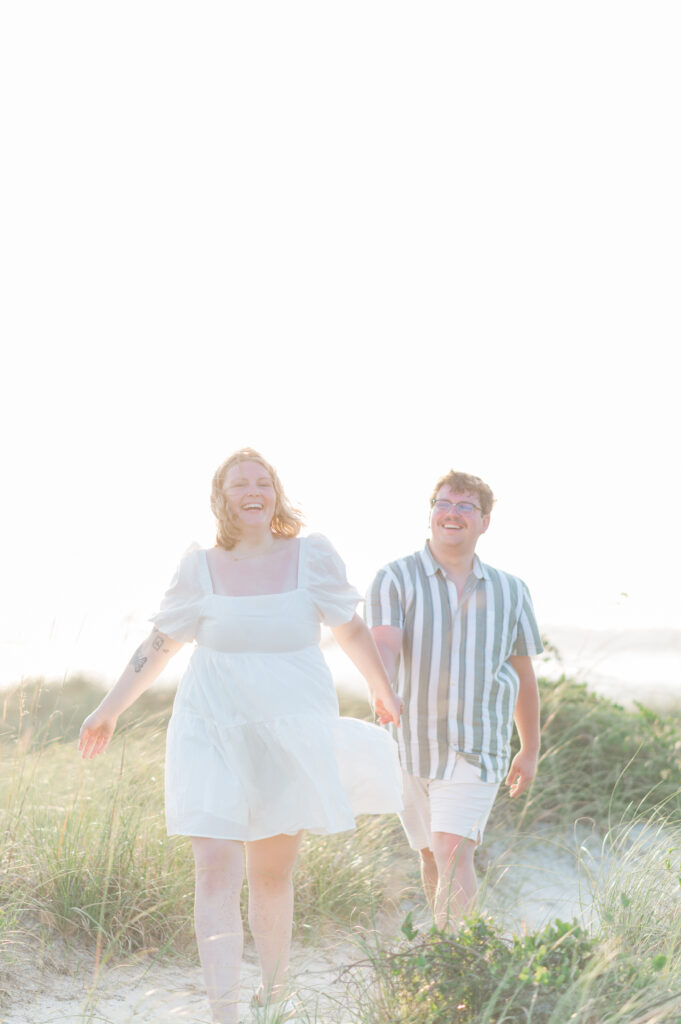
(318, 831)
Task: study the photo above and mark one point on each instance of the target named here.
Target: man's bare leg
(429, 875)
(457, 885)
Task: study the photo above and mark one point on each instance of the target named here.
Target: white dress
(255, 745)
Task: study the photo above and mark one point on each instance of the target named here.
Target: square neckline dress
(255, 745)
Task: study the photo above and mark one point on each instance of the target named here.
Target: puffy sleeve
(326, 580)
(178, 616)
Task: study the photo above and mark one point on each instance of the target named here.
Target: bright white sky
(373, 240)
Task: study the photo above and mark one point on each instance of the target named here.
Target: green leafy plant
(476, 975)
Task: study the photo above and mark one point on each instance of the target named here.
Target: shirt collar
(432, 567)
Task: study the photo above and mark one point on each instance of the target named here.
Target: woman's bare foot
(276, 1006)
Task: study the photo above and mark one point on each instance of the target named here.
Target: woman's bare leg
(270, 864)
(219, 867)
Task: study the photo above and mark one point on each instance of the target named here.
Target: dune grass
(598, 761)
(83, 848)
(84, 851)
(84, 858)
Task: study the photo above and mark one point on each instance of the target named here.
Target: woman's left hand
(388, 708)
(354, 638)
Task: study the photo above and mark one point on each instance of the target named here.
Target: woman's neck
(253, 544)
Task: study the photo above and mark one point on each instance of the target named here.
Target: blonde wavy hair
(286, 521)
(464, 482)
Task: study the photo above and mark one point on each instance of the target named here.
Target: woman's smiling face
(250, 493)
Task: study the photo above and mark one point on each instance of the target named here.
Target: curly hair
(286, 521)
(464, 482)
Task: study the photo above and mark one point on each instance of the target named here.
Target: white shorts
(460, 805)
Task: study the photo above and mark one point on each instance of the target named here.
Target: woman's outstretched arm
(356, 640)
(146, 664)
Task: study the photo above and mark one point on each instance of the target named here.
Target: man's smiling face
(453, 529)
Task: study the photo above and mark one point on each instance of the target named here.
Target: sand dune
(526, 885)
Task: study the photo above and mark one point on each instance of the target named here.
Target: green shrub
(476, 975)
(551, 976)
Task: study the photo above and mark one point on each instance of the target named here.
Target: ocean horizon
(624, 665)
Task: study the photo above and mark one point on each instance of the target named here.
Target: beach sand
(145, 991)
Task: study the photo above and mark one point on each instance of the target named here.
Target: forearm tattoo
(138, 660)
(158, 642)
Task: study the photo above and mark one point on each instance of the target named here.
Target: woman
(256, 752)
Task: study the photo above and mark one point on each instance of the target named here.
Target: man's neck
(458, 565)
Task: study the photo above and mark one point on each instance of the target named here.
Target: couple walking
(256, 752)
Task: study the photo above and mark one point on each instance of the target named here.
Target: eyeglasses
(465, 508)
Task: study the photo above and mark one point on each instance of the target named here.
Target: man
(456, 637)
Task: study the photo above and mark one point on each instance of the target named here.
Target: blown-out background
(373, 241)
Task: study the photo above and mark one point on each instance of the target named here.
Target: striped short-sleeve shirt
(454, 675)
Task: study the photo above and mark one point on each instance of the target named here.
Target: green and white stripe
(458, 686)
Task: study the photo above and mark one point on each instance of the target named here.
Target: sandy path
(146, 992)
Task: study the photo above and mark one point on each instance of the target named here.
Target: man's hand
(521, 773)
